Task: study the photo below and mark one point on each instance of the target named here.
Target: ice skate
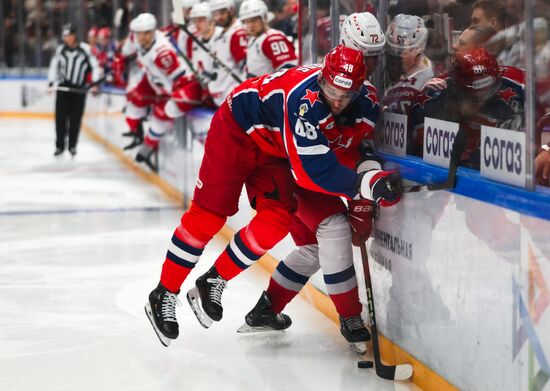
(205, 298)
(262, 318)
(147, 154)
(137, 139)
(58, 151)
(161, 311)
(354, 331)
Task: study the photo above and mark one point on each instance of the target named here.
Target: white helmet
(216, 5)
(143, 22)
(361, 31)
(188, 3)
(252, 8)
(406, 32)
(201, 10)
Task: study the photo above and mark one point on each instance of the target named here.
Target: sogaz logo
(343, 82)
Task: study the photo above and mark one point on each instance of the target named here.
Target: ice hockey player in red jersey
(269, 50)
(320, 229)
(268, 128)
(165, 76)
(477, 92)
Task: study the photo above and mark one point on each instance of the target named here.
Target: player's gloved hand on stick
(383, 187)
(360, 215)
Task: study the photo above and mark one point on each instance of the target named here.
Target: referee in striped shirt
(71, 67)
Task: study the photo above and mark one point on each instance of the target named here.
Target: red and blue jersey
(504, 109)
(287, 117)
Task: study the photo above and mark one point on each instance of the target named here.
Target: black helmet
(67, 29)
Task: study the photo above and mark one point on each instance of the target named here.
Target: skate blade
(246, 328)
(358, 347)
(194, 299)
(163, 339)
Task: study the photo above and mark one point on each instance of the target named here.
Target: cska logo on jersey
(311, 97)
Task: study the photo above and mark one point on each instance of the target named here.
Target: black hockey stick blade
(449, 183)
(389, 372)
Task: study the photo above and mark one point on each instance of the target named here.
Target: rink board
(460, 283)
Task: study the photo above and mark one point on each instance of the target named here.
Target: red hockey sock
(347, 304)
(197, 228)
(279, 296)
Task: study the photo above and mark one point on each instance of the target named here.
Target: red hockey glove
(360, 214)
(383, 187)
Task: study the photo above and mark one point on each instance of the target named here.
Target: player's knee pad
(158, 128)
(267, 228)
(334, 239)
(201, 224)
(135, 112)
(303, 260)
(172, 110)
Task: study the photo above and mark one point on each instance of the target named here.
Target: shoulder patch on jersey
(311, 97)
(423, 98)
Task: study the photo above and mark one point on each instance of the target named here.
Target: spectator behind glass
(460, 11)
(476, 94)
(283, 19)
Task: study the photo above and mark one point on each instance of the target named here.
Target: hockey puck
(364, 364)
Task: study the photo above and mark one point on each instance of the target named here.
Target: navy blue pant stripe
(185, 247)
(245, 250)
(179, 261)
(342, 276)
(235, 259)
(290, 274)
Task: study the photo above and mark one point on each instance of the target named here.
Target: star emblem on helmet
(507, 94)
(311, 97)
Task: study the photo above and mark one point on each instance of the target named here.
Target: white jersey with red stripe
(130, 47)
(230, 48)
(401, 96)
(202, 62)
(161, 64)
(269, 53)
(286, 116)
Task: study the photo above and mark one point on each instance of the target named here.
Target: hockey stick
(449, 183)
(390, 372)
(214, 57)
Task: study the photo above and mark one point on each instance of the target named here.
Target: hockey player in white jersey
(164, 75)
(229, 48)
(408, 67)
(269, 50)
(362, 31)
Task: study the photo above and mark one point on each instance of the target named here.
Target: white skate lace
(354, 323)
(168, 307)
(219, 285)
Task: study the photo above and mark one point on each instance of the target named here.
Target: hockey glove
(383, 187)
(360, 214)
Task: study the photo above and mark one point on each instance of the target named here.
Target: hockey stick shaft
(390, 372)
(449, 183)
(209, 52)
(123, 93)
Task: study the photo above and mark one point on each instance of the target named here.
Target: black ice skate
(262, 318)
(137, 137)
(354, 331)
(161, 311)
(205, 298)
(147, 154)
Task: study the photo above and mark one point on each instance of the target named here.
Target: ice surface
(81, 245)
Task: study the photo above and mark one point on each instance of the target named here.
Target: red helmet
(475, 70)
(92, 33)
(344, 68)
(104, 32)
